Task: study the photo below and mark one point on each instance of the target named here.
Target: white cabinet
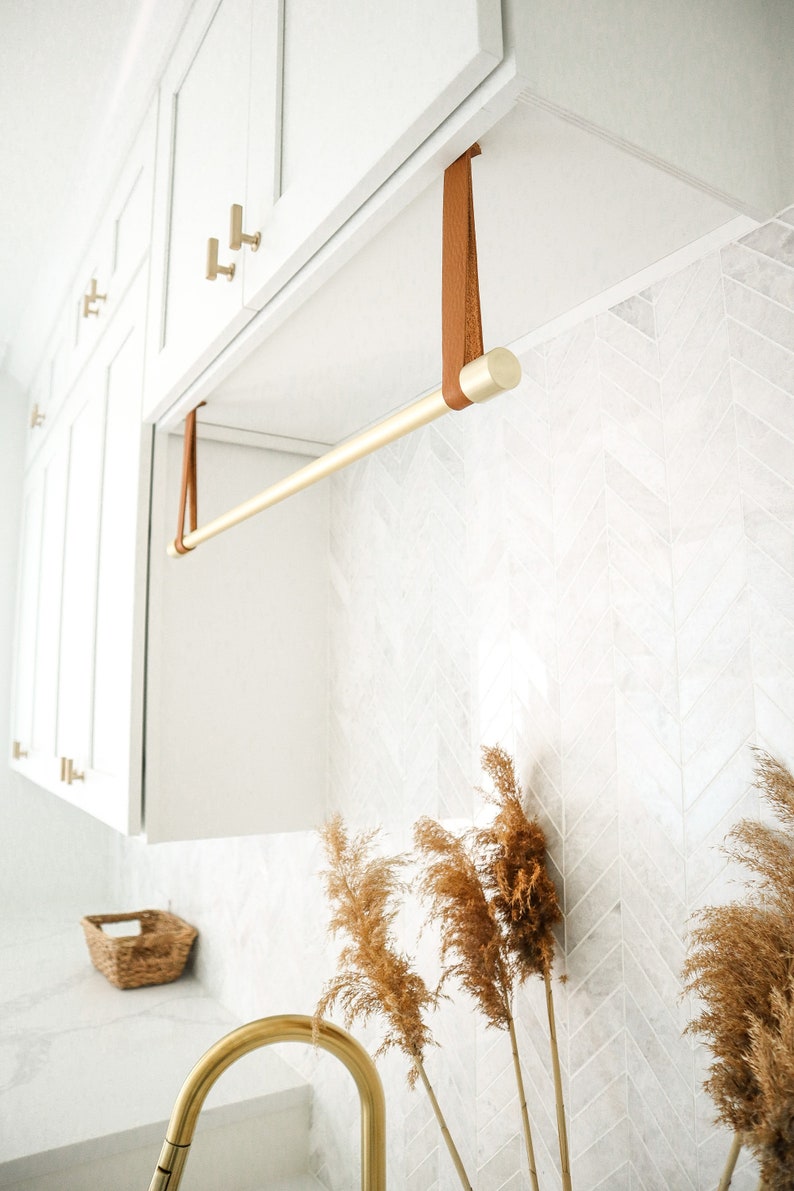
(235, 738)
(363, 86)
(27, 616)
(201, 171)
(79, 660)
(110, 264)
(38, 617)
(78, 584)
(298, 112)
(118, 247)
(236, 701)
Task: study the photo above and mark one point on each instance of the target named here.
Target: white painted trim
(257, 438)
(726, 233)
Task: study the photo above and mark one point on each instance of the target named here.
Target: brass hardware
(37, 416)
(68, 772)
(17, 751)
(237, 237)
(480, 380)
(290, 1027)
(91, 298)
(213, 268)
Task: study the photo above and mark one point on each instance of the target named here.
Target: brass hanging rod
(487, 376)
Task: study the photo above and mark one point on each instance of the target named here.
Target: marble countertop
(84, 1065)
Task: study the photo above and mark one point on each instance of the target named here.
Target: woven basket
(156, 956)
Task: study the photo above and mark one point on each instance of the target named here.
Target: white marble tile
(773, 239)
(638, 311)
(763, 451)
(701, 461)
(695, 355)
(628, 341)
(717, 646)
(760, 273)
(761, 355)
(653, 1148)
(766, 316)
(626, 448)
(566, 355)
(626, 385)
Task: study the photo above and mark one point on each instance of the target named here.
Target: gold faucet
(287, 1027)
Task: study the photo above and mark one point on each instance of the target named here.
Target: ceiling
(75, 79)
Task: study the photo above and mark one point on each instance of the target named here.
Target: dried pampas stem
(562, 1132)
(533, 1174)
(730, 1165)
(512, 862)
(374, 977)
(471, 935)
(445, 1133)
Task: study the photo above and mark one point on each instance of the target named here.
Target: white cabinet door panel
(236, 709)
(201, 170)
(363, 86)
(78, 607)
(27, 616)
(116, 743)
(45, 679)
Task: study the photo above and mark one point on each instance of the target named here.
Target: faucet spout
(283, 1028)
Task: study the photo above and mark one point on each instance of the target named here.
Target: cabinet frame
(116, 798)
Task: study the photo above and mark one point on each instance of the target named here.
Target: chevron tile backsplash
(597, 572)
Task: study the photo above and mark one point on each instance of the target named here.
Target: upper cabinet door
(362, 86)
(118, 247)
(54, 472)
(27, 616)
(296, 111)
(117, 722)
(78, 607)
(201, 171)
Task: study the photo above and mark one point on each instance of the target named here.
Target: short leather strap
(189, 482)
(461, 321)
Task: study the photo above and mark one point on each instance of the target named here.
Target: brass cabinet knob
(213, 268)
(91, 298)
(68, 772)
(237, 237)
(37, 416)
(17, 751)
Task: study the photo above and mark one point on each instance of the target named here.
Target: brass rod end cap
(489, 375)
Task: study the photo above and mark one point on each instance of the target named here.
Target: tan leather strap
(461, 322)
(189, 482)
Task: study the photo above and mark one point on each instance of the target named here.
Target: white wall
(595, 571)
(48, 852)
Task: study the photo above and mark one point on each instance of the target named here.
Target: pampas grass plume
(374, 977)
(741, 967)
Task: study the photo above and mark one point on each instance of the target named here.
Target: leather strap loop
(189, 482)
(461, 320)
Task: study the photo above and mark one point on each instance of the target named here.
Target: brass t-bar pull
(91, 298)
(213, 268)
(237, 237)
(68, 772)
